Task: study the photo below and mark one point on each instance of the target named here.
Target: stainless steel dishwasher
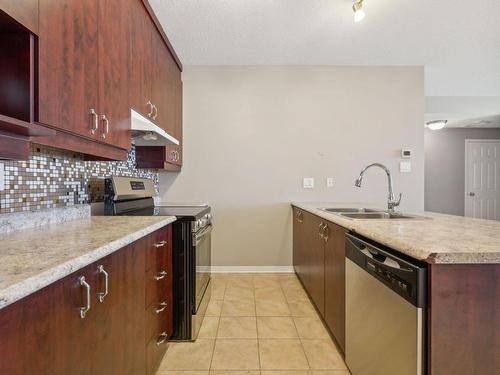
(385, 311)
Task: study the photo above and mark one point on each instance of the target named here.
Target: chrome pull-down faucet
(391, 201)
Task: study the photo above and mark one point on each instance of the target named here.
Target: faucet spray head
(358, 181)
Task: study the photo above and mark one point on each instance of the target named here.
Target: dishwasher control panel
(389, 277)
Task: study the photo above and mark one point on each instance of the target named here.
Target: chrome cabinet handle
(178, 155)
(326, 232)
(161, 308)
(102, 295)
(172, 155)
(300, 217)
(86, 308)
(95, 122)
(150, 108)
(106, 126)
(161, 275)
(161, 338)
(156, 111)
(160, 244)
(320, 229)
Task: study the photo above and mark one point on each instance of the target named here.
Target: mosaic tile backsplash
(56, 178)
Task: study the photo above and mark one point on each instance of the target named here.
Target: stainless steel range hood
(146, 133)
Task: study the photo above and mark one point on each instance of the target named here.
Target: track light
(436, 125)
(357, 8)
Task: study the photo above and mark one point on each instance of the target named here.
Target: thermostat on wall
(406, 153)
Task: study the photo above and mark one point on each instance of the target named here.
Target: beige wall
(252, 133)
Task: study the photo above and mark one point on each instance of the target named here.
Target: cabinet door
(68, 65)
(314, 252)
(140, 58)
(119, 322)
(25, 12)
(44, 333)
(174, 153)
(335, 281)
(299, 258)
(114, 41)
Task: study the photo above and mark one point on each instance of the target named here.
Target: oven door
(202, 248)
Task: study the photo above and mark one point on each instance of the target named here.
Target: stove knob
(199, 223)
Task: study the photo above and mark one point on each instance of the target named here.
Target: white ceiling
(458, 41)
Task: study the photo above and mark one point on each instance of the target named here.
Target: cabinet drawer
(155, 350)
(158, 319)
(158, 256)
(157, 290)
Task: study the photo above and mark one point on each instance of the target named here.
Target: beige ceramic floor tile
(276, 328)
(188, 355)
(235, 327)
(286, 372)
(238, 308)
(182, 373)
(272, 308)
(302, 309)
(322, 354)
(222, 372)
(285, 354)
(209, 327)
(331, 372)
(235, 355)
(310, 328)
(270, 293)
(238, 294)
(217, 292)
(240, 280)
(214, 308)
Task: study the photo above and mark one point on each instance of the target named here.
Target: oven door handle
(198, 236)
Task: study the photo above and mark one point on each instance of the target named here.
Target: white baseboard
(252, 269)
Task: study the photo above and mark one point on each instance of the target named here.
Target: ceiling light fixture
(436, 125)
(357, 8)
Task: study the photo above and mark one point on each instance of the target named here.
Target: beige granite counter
(34, 258)
(438, 239)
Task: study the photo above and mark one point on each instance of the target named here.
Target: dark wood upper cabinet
(68, 83)
(140, 58)
(113, 57)
(23, 11)
(335, 281)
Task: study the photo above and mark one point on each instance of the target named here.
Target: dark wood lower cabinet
(45, 334)
(335, 281)
(464, 319)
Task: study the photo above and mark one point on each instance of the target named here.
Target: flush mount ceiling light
(436, 125)
(357, 8)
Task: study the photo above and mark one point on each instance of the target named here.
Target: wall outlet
(405, 166)
(329, 182)
(308, 183)
(2, 177)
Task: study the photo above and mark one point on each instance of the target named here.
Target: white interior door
(482, 179)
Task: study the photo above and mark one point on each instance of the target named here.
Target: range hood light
(357, 8)
(436, 125)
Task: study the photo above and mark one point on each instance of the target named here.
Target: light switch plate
(2, 177)
(329, 182)
(308, 183)
(405, 166)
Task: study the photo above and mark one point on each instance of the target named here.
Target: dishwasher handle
(377, 256)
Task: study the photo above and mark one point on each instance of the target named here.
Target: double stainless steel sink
(367, 213)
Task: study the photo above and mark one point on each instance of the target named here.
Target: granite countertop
(34, 258)
(443, 239)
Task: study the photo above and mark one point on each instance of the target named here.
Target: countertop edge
(22, 289)
(429, 257)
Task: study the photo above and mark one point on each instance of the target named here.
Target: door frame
(467, 143)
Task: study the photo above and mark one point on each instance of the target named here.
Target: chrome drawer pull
(106, 126)
(161, 275)
(160, 244)
(86, 308)
(102, 295)
(162, 337)
(163, 306)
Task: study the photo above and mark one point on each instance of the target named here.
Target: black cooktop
(181, 212)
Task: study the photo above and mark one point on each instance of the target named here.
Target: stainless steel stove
(191, 251)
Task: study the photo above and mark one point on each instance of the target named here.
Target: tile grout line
(298, 334)
(217, 330)
(256, 326)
